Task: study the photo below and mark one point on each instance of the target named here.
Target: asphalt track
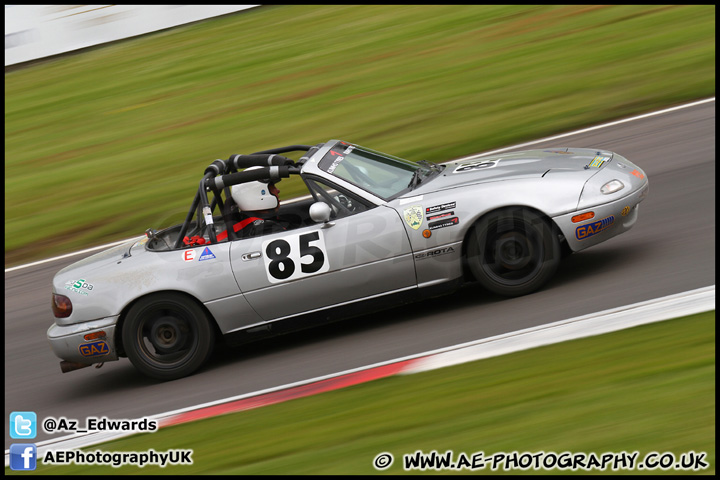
(671, 249)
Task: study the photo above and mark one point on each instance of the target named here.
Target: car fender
(104, 284)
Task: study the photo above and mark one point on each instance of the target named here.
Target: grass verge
(646, 389)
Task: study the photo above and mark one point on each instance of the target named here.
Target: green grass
(645, 389)
(103, 144)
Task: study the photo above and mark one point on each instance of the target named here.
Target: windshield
(383, 175)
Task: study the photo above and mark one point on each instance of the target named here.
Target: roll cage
(220, 175)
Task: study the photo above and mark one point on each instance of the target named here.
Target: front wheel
(167, 336)
(513, 251)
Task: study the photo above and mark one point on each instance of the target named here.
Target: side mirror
(320, 212)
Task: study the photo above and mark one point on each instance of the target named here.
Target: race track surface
(670, 250)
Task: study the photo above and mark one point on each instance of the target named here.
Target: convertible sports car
(375, 230)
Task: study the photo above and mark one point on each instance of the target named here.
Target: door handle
(246, 257)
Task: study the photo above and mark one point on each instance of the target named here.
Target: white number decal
(478, 165)
(295, 256)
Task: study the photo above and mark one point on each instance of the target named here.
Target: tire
(513, 251)
(167, 336)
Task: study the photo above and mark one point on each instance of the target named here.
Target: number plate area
(295, 256)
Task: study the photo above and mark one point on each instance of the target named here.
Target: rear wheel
(167, 336)
(513, 251)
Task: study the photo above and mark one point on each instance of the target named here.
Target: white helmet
(253, 196)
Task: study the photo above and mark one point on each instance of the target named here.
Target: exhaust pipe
(66, 366)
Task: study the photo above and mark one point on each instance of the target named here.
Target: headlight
(611, 187)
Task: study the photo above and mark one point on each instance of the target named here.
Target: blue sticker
(206, 255)
(94, 349)
(584, 231)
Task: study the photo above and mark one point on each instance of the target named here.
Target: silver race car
(374, 232)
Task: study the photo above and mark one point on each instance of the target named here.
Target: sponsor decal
(441, 215)
(206, 255)
(189, 255)
(439, 208)
(637, 174)
(443, 223)
(336, 162)
(625, 211)
(479, 165)
(598, 161)
(405, 201)
(349, 149)
(79, 286)
(585, 231)
(94, 349)
(435, 253)
(413, 216)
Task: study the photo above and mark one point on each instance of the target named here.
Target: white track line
(521, 145)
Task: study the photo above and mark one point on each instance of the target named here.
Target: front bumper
(68, 342)
(610, 219)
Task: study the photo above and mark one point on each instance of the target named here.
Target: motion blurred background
(109, 140)
(112, 138)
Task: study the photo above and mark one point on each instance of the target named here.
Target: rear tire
(513, 251)
(167, 336)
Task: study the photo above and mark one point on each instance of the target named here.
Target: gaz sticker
(295, 256)
(588, 230)
(94, 349)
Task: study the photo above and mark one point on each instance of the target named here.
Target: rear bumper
(610, 219)
(69, 343)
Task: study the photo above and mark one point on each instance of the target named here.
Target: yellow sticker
(414, 216)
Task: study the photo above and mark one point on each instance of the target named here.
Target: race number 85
(295, 256)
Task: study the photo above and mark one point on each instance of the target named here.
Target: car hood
(519, 165)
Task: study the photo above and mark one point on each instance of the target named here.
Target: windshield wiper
(416, 178)
(426, 168)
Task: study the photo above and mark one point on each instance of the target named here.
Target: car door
(362, 255)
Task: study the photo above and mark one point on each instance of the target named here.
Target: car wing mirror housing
(320, 213)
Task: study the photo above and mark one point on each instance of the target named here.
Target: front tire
(513, 251)
(167, 336)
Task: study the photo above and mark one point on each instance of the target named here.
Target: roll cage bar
(222, 174)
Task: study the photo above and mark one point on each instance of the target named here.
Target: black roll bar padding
(202, 193)
(273, 174)
(263, 160)
(289, 148)
(218, 167)
(186, 223)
